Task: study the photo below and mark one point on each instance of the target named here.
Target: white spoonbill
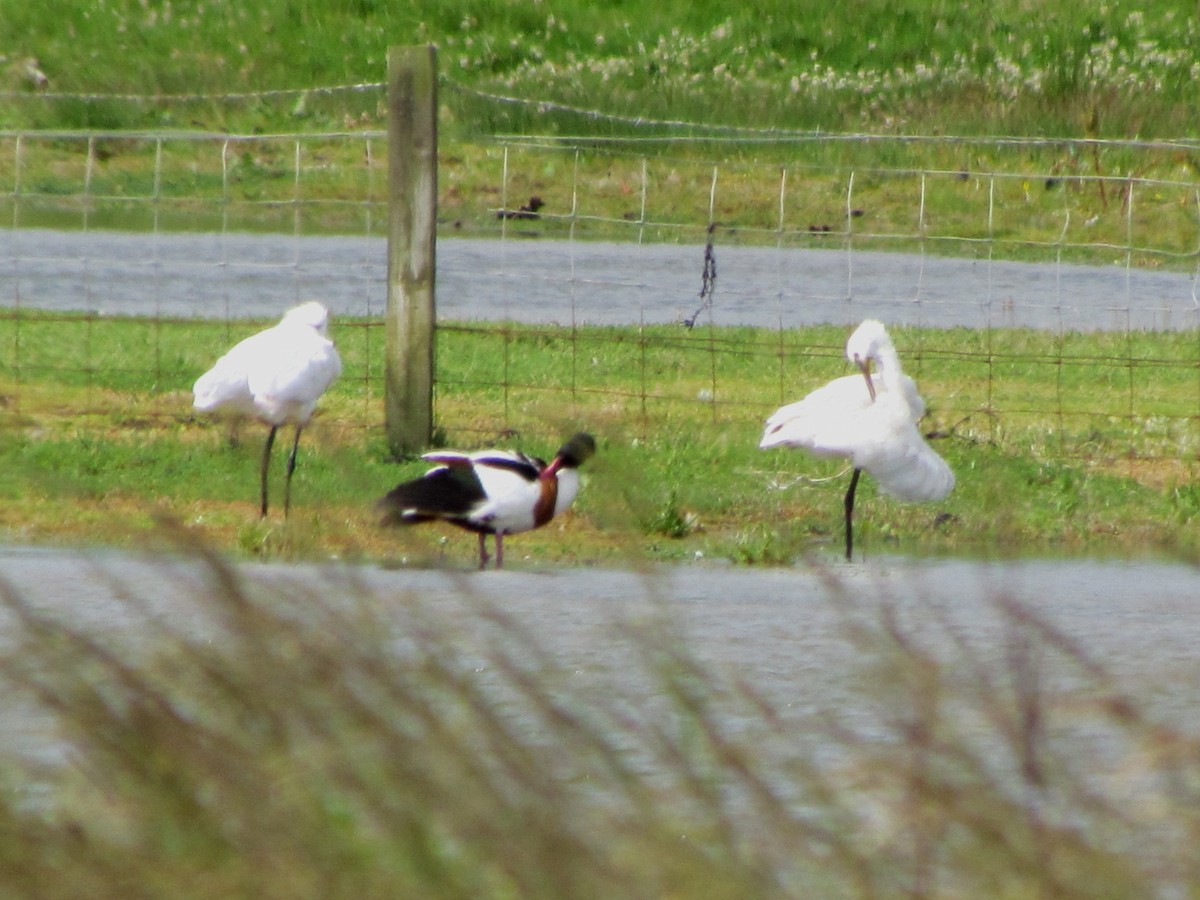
(491, 491)
(276, 376)
(874, 425)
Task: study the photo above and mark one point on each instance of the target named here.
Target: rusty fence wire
(1046, 288)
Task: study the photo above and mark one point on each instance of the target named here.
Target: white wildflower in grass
(1016, 68)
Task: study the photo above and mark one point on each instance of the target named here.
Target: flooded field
(892, 723)
(577, 282)
(787, 632)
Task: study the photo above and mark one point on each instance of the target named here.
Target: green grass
(1073, 443)
(1060, 67)
(301, 754)
(1053, 203)
(1060, 70)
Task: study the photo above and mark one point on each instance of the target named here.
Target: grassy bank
(585, 73)
(1047, 202)
(1062, 444)
(1057, 446)
(1059, 67)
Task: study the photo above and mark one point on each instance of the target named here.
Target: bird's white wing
(912, 397)
(914, 473)
(840, 420)
(512, 501)
(508, 459)
(509, 481)
(511, 498)
(225, 384)
(823, 421)
(291, 372)
(890, 447)
(447, 457)
(298, 371)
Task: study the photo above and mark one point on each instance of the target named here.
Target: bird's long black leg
(483, 554)
(291, 467)
(266, 462)
(849, 504)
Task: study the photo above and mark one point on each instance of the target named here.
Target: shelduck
(491, 491)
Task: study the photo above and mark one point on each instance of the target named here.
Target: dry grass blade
(299, 734)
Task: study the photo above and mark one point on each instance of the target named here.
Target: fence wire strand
(871, 228)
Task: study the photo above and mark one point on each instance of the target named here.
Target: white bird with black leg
(874, 425)
(276, 376)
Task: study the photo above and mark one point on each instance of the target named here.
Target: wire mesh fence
(1041, 291)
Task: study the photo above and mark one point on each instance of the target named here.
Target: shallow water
(534, 280)
(791, 639)
(785, 631)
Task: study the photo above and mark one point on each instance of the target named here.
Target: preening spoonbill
(276, 376)
(491, 491)
(873, 424)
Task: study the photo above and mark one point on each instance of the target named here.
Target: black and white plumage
(873, 424)
(491, 491)
(276, 376)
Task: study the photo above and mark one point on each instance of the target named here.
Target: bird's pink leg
(499, 550)
(483, 554)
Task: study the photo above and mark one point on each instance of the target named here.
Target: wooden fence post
(412, 238)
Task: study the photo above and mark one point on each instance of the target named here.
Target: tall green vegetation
(1057, 67)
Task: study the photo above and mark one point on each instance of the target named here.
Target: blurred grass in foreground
(308, 737)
